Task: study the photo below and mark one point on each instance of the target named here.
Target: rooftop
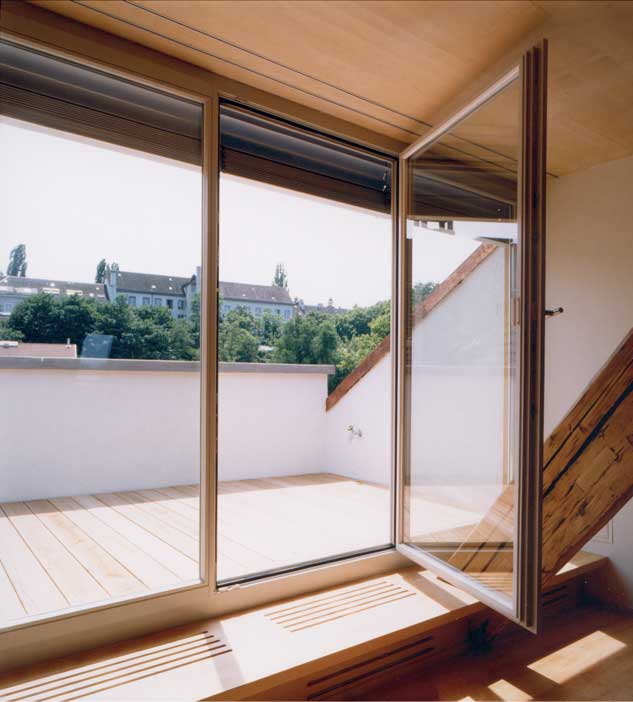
(151, 283)
(31, 286)
(254, 293)
(21, 349)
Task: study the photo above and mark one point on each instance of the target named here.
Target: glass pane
(304, 444)
(99, 370)
(462, 345)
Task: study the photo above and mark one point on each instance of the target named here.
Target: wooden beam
(587, 478)
(588, 462)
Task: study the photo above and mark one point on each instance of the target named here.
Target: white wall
(366, 406)
(66, 432)
(590, 274)
(458, 389)
(270, 424)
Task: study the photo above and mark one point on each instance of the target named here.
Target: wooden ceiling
(394, 66)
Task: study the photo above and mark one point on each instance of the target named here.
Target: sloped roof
(445, 288)
(150, 283)
(25, 286)
(254, 293)
(18, 348)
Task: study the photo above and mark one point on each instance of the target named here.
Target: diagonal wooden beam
(587, 479)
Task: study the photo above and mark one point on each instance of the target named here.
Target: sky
(74, 201)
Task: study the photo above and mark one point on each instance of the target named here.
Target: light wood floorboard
(82, 549)
(585, 654)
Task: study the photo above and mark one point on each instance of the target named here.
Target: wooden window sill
(306, 648)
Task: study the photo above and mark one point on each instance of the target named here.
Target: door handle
(554, 312)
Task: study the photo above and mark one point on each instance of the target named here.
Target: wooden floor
(584, 654)
(70, 551)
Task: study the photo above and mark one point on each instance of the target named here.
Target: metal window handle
(554, 312)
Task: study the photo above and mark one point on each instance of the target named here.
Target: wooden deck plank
(177, 505)
(148, 571)
(188, 525)
(76, 584)
(128, 508)
(115, 579)
(135, 541)
(38, 592)
(182, 567)
(10, 604)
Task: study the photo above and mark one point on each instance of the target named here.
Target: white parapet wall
(459, 393)
(76, 426)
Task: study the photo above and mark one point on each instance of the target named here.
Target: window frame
(530, 74)
(77, 628)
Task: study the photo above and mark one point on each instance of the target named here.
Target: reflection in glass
(304, 385)
(461, 351)
(100, 467)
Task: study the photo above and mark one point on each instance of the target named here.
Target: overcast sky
(73, 201)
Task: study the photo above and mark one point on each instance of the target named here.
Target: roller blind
(64, 95)
(270, 151)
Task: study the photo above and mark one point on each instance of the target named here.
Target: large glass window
(97, 502)
(304, 445)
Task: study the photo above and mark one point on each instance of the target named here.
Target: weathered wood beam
(588, 475)
(588, 462)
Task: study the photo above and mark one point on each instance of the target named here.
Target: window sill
(307, 645)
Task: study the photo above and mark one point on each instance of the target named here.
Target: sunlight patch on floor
(568, 662)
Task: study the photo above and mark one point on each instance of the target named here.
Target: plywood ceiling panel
(392, 66)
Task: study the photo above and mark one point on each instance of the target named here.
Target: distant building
(19, 348)
(256, 299)
(14, 289)
(148, 289)
(302, 308)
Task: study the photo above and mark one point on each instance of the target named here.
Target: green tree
(236, 343)
(101, 271)
(76, 318)
(194, 320)
(8, 334)
(116, 319)
(307, 339)
(350, 353)
(181, 342)
(242, 318)
(38, 319)
(17, 261)
(357, 321)
(46, 319)
(421, 291)
(280, 279)
(271, 328)
(380, 326)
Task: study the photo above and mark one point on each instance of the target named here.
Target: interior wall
(590, 274)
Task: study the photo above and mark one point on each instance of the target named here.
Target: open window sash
(471, 311)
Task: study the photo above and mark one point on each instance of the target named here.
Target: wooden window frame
(76, 628)
(82, 628)
(531, 76)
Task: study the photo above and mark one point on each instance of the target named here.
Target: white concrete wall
(366, 406)
(458, 389)
(270, 424)
(66, 432)
(590, 274)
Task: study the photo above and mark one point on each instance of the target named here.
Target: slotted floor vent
(91, 679)
(559, 598)
(365, 674)
(305, 615)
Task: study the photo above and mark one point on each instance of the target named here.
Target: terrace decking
(61, 552)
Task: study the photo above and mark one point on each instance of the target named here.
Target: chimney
(110, 281)
(114, 270)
